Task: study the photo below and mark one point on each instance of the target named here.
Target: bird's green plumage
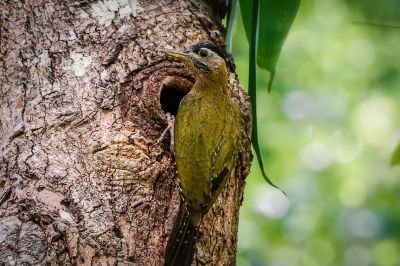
(207, 135)
(207, 139)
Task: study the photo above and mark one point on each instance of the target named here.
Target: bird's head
(205, 59)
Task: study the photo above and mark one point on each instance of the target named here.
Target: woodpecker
(207, 139)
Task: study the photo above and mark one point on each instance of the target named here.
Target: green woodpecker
(207, 138)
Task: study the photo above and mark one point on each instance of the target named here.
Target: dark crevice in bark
(172, 92)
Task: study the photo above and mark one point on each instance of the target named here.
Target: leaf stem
(231, 18)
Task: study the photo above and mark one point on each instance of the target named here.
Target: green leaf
(266, 23)
(253, 92)
(246, 14)
(275, 22)
(275, 18)
(396, 156)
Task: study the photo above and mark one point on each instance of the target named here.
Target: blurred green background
(327, 132)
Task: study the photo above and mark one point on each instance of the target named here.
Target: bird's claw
(170, 129)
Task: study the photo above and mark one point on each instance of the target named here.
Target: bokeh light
(327, 131)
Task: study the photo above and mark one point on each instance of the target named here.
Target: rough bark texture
(83, 99)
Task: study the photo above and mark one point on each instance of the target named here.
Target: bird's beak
(183, 56)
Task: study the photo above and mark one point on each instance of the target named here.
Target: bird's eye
(203, 53)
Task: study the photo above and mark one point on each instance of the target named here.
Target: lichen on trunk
(83, 97)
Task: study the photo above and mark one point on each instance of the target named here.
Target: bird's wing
(224, 156)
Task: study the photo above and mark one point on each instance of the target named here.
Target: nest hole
(172, 92)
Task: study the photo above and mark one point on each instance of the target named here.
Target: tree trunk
(84, 92)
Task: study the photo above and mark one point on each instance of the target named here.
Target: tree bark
(84, 95)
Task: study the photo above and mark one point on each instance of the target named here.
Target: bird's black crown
(211, 46)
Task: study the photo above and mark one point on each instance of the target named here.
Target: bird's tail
(182, 241)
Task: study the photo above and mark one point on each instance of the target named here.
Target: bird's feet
(170, 129)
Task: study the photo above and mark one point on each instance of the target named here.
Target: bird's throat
(209, 86)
